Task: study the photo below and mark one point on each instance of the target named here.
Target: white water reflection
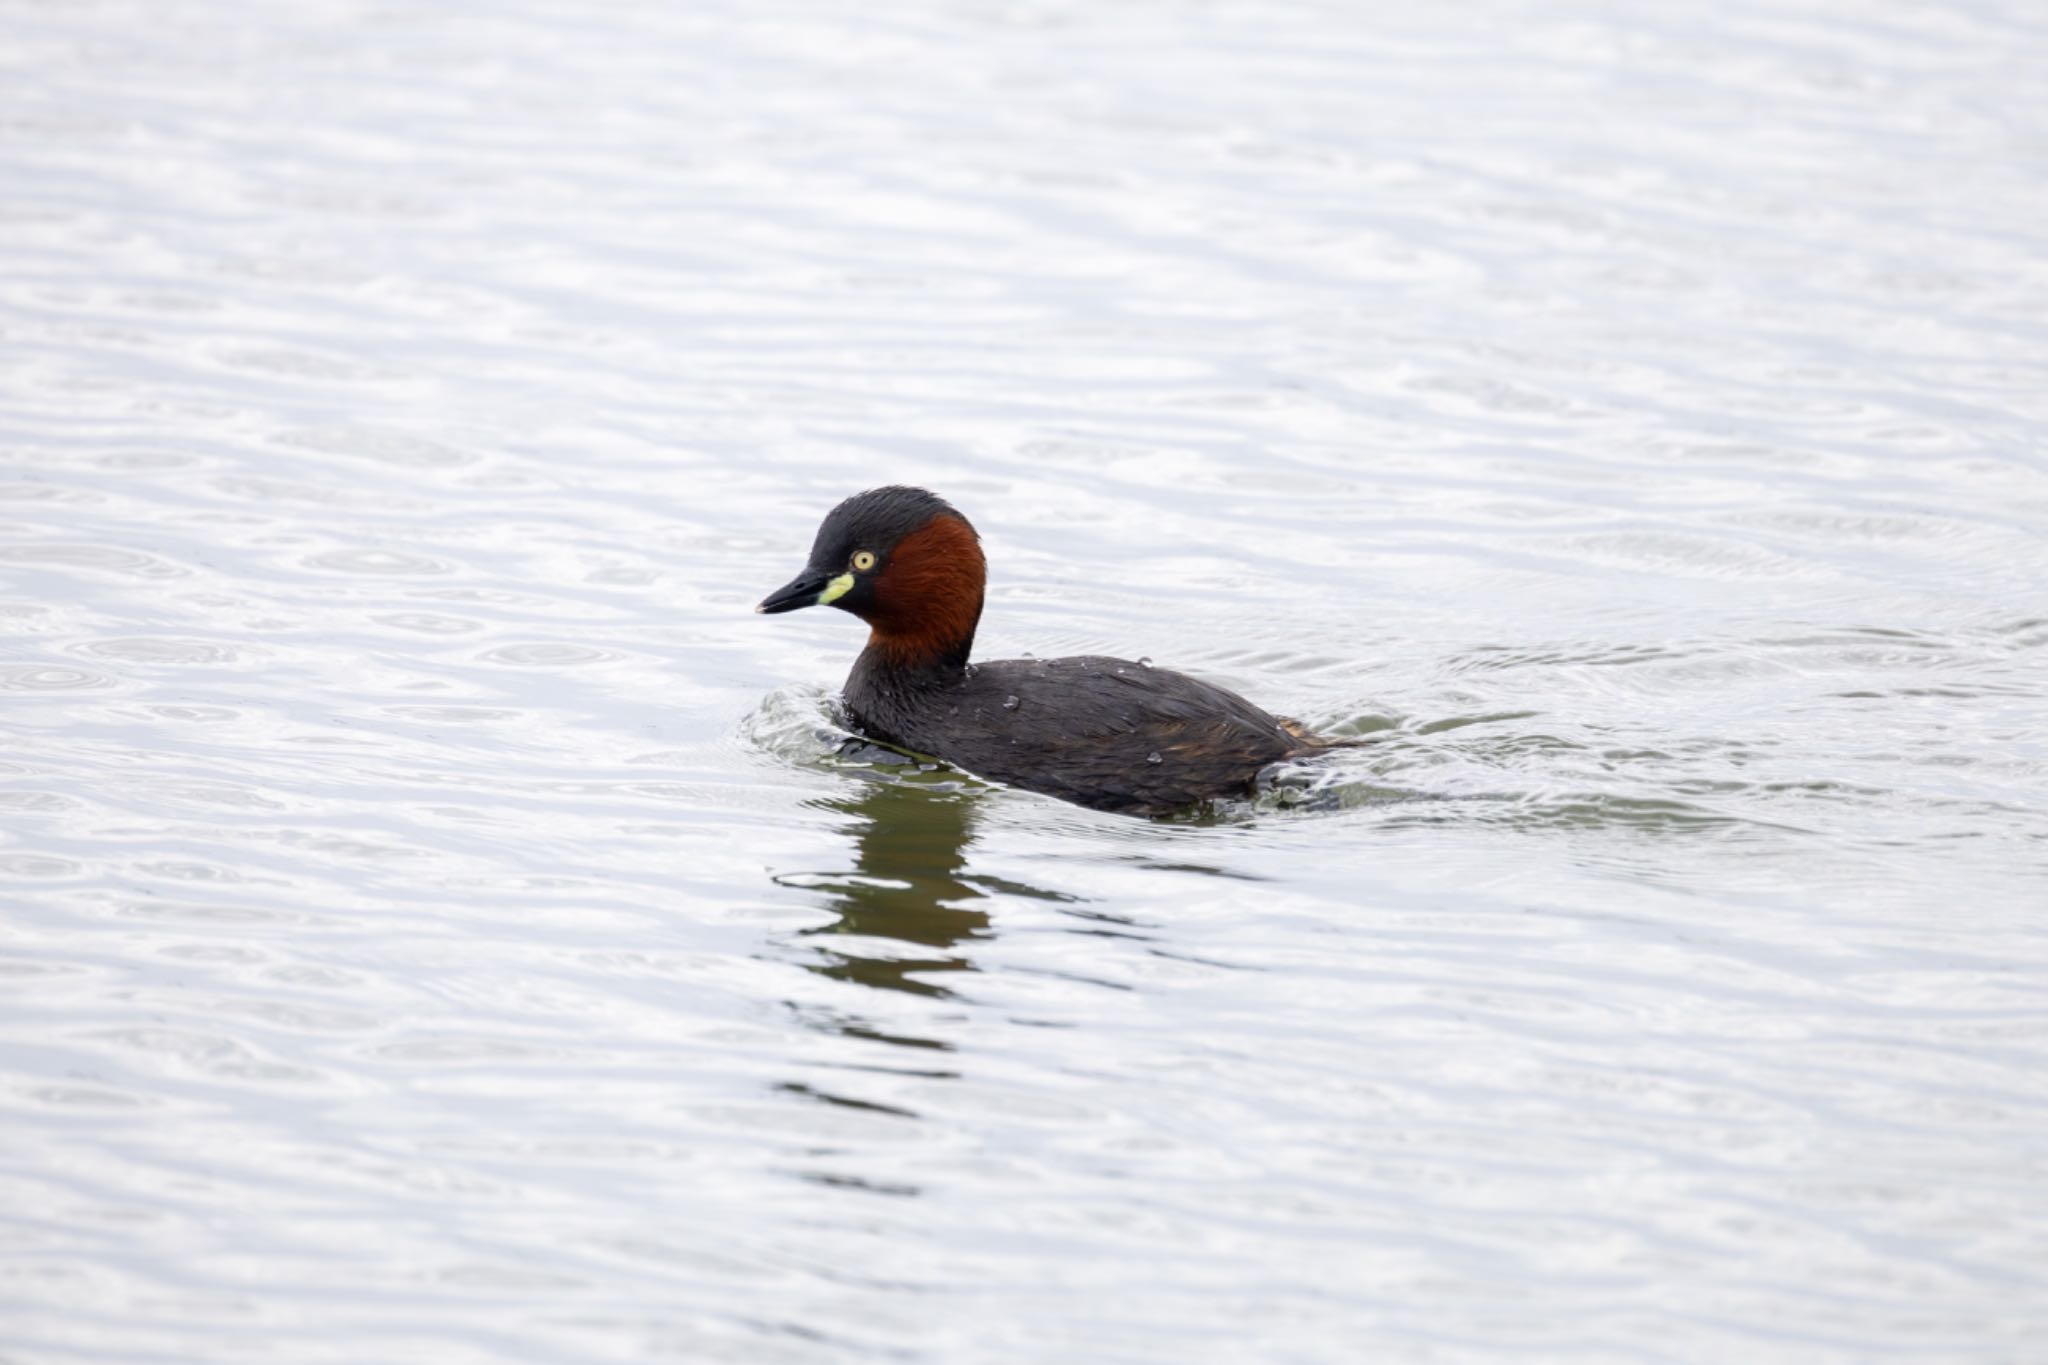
(439, 925)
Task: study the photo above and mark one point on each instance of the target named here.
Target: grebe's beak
(811, 588)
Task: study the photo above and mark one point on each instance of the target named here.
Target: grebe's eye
(863, 560)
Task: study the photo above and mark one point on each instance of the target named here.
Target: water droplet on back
(1152, 757)
(1009, 703)
(1144, 662)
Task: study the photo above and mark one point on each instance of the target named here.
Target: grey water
(440, 924)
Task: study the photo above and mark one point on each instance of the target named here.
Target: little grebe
(1106, 733)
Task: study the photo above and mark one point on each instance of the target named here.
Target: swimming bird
(1112, 734)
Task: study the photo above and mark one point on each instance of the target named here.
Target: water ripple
(49, 678)
(375, 563)
(158, 651)
(546, 654)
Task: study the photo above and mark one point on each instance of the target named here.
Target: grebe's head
(902, 560)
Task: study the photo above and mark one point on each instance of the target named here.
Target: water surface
(440, 926)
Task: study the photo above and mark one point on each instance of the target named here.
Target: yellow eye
(863, 560)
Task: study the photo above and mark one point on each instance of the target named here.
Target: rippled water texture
(440, 925)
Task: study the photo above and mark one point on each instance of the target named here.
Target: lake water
(438, 927)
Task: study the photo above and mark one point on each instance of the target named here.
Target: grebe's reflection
(906, 887)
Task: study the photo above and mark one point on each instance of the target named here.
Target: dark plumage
(1102, 732)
